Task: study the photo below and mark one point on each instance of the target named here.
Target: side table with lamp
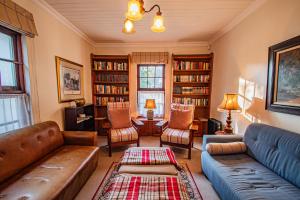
(229, 104)
(149, 127)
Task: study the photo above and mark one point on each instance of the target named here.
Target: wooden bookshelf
(110, 82)
(192, 84)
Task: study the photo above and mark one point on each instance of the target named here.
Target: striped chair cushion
(176, 136)
(123, 135)
(226, 148)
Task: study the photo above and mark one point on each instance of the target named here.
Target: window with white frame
(14, 109)
(151, 85)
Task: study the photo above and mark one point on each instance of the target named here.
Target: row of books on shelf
(102, 65)
(111, 89)
(112, 78)
(196, 102)
(102, 101)
(191, 90)
(192, 78)
(191, 65)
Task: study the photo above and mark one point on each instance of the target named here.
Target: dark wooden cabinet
(75, 122)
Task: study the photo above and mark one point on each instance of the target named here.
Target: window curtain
(150, 57)
(141, 96)
(15, 112)
(14, 17)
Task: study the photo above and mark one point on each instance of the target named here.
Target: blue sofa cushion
(275, 148)
(239, 177)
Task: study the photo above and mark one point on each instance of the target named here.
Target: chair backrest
(118, 114)
(118, 105)
(177, 106)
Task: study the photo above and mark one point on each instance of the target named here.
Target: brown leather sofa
(42, 162)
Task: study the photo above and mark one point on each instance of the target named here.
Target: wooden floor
(105, 161)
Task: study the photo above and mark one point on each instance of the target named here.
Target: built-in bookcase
(110, 82)
(192, 78)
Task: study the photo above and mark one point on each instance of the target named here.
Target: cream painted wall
(243, 52)
(54, 39)
(174, 48)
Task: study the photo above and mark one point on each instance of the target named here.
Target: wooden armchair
(178, 130)
(124, 130)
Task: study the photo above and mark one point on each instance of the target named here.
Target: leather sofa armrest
(83, 138)
(220, 139)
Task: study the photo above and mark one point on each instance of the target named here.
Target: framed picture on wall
(283, 88)
(69, 80)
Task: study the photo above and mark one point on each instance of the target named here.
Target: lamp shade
(158, 24)
(135, 9)
(230, 102)
(150, 104)
(128, 27)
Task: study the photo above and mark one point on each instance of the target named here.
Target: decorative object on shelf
(69, 80)
(229, 103)
(150, 105)
(80, 102)
(283, 91)
(136, 12)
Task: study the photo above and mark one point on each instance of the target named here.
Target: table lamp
(150, 105)
(229, 103)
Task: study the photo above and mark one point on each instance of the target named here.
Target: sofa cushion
(176, 136)
(226, 148)
(180, 119)
(275, 148)
(123, 135)
(49, 178)
(240, 177)
(22, 147)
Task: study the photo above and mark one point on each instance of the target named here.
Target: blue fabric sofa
(270, 169)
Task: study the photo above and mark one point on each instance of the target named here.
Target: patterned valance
(16, 18)
(150, 57)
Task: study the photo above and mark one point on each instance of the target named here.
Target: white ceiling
(185, 20)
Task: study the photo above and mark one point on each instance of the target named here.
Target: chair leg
(138, 142)
(109, 150)
(160, 144)
(190, 153)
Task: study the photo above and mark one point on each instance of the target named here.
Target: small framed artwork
(283, 87)
(69, 80)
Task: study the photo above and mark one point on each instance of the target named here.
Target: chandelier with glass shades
(136, 12)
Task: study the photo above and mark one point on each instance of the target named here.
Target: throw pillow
(180, 119)
(226, 148)
(119, 118)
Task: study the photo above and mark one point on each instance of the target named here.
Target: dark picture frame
(283, 86)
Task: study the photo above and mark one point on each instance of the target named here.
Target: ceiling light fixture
(128, 27)
(136, 12)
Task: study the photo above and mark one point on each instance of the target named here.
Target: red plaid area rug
(185, 183)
